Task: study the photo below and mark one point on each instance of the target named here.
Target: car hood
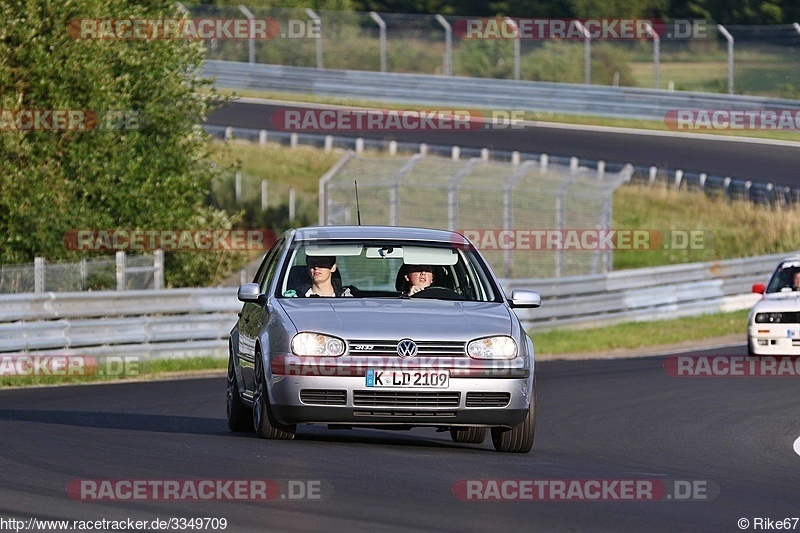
(775, 302)
(398, 319)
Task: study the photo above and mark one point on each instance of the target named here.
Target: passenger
(796, 281)
(323, 282)
(419, 277)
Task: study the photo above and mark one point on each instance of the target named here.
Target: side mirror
(759, 288)
(525, 298)
(249, 292)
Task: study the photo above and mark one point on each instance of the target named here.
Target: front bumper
(348, 401)
(774, 339)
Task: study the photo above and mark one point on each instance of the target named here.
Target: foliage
(154, 177)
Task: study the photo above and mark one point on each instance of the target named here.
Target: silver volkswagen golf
(381, 327)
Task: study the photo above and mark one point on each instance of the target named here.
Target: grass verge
(115, 370)
(633, 335)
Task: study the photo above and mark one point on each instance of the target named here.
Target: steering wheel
(436, 292)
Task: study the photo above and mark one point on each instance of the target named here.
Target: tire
(520, 438)
(239, 415)
(750, 348)
(263, 422)
(472, 435)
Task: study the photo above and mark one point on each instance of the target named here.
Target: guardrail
(623, 102)
(195, 322)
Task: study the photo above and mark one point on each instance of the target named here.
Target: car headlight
(308, 344)
(492, 348)
(766, 318)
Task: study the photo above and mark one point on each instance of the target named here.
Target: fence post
(38, 274)
(318, 34)
(448, 45)
(587, 54)
(251, 43)
(382, 25)
(656, 52)
(517, 38)
(291, 204)
(84, 273)
(262, 137)
(264, 196)
(678, 178)
(601, 170)
(729, 37)
(158, 270)
(238, 186)
(120, 270)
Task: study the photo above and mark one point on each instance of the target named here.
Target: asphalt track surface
(776, 163)
(602, 419)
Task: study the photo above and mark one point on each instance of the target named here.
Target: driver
(419, 277)
(796, 281)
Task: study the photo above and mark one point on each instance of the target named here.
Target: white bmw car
(774, 322)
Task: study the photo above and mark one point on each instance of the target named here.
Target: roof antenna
(358, 208)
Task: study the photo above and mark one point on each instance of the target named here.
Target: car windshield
(382, 270)
(783, 280)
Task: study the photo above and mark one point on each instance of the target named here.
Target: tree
(153, 174)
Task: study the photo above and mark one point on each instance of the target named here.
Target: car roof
(402, 233)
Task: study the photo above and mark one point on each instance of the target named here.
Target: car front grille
(323, 396)
(388, 348)
(488, 399)
(363, 398)
(404, 413)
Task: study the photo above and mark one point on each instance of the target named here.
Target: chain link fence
(692, 55)
(501, 206)
(120, 272)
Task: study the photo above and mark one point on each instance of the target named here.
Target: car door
(253, 315)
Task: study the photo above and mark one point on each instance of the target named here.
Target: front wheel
(263, 422)
(518, 439)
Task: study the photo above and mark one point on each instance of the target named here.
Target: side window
(267, 268)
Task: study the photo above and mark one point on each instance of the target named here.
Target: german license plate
(437, 379)
(793, 333)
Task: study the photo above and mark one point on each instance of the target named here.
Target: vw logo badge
(406, 348)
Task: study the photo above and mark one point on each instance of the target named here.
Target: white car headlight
(492, 348)
(308, 344)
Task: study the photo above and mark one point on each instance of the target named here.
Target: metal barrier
(196, 322)
(482, 93)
